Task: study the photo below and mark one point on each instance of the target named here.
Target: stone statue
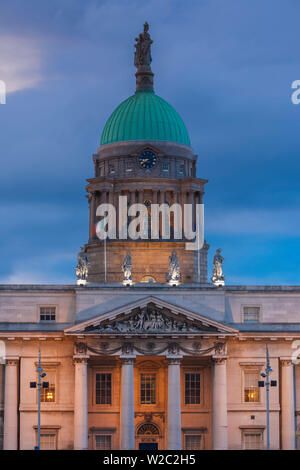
(218, 276)
(82, 267)
(173, 275)
(148, 320)
(127, 268)
(142, 56)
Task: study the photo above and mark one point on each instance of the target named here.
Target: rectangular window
(253, 440)
(103, 442)
(111, 169)
(103, 389)
(165, 166)
(47, 313)
(48, 393)
(251, 314)
(193, 442)
(251, 389)
(148, 388)
(192, 389)
(129, 167)
(48, 441)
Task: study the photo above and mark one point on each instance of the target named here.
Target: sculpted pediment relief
(151, 320)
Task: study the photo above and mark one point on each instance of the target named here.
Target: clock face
(147, 159)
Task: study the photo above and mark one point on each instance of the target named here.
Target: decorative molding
(219, 360)
(151, 319)
(80, 359)
(80, 348)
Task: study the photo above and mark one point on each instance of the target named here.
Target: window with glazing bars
(251, 314)
(148, 388)
(192, 389)
(103, 389)
(193, 442)
(47, 313)
(48, 441)
(103, 442)
(253, 440)
(251, 389)
(48, 393)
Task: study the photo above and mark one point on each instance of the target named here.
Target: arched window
(148, 429)
(148, 279)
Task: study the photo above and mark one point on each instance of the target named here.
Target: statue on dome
(173, 275)
(127, 268)
(82, 267)
(218, 276)
(142, 56)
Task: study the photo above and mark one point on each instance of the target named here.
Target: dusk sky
(225, 65)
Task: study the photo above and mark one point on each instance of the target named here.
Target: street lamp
(40, 385)
(273, 383)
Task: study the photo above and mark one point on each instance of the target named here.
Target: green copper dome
(145, 116)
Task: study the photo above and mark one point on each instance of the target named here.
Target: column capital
(286, 361)
(80, 359)
(217, 360)
(174, 360)
(11, 361)
(127, 359)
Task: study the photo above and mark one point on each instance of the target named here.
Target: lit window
(103, 442)
(48, 393)
(148, 388)
(251, 389)
(48, 441)
(47, 313)
(192, 389)
(253, 440)
(111, 169)
(165, 166)
(251, 314)
(193, 442)
(103, 389)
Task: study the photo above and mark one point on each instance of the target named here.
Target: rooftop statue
(127, 268)
(218, 276)
(142, 56)
(173, 275)
(82, 267)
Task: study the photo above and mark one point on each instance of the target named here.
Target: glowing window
(251, 389)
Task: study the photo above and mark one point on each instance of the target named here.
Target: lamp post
(40, 385)
(273, 383)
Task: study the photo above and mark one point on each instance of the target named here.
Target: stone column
(80, 404)
(11, 405)
(219, 411)
(93, 215)
(127, 404)
(174, 404)
(287, 405)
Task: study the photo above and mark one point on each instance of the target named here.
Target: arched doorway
(147, 436)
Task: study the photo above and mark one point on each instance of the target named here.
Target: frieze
(150, 320)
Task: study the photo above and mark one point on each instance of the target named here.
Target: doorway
(148, 446)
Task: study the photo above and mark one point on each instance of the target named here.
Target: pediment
(151, 316)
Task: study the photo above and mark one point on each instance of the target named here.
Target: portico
(164, 360)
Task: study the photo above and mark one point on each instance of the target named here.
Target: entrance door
(148, 446)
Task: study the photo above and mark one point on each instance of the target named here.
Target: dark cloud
(226, 66)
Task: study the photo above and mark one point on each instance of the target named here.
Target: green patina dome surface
(145, 116)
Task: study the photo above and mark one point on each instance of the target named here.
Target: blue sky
(225, 65)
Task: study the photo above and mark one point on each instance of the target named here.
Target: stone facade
(216, 343)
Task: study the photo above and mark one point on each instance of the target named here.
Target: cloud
(20, 64)
(251, 221)
(41, 270)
